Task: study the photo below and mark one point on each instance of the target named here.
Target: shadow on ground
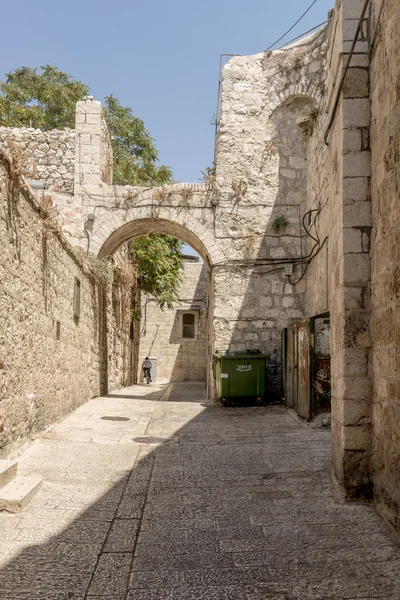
(186, 501)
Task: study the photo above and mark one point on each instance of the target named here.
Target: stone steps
(16, 491)
(8, 470)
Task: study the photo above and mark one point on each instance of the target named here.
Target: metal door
(291, 367)
(284, 363)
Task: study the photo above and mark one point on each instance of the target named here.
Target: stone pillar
(93, 151)
(350, 305)
(88, 128)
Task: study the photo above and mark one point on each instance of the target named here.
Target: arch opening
(162, 334)
(142, 227)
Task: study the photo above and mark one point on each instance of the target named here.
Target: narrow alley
(151, 493)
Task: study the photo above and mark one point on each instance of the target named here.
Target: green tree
(159, 266)
(44, 100)
(135, 155)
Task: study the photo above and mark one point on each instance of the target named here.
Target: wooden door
(303, 362)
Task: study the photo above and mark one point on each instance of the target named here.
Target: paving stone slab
(111, 575)
(18, 492)
(238, 507)
(154, 579)
(122, 536)
(154, 594)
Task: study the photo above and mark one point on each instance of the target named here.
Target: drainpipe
(37, 184)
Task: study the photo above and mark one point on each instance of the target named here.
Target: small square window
(188, 325)
(77, 298)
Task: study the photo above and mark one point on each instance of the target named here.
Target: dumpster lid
(249, 354)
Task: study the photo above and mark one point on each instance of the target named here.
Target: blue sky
(161, 58)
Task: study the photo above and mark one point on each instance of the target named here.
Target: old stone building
(176, 339)
(299, 219)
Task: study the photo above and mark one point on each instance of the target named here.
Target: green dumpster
(240, 375)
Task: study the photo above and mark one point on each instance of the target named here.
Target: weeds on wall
(250, 247)
(240, 188)
(17, 161)
(265, 59)
(279, 224)
(307, 126)
(161, 194)
(208, 176)
(101, 268)
(213, 194)
(124, 292)
(186, 195)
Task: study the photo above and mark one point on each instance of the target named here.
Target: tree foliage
(44, 100)
(159, 266)
(135, 155)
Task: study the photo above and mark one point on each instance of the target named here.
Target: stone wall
(178, 359)
(50, 360)
(284, 223)
(49, 155)
(385, 326)
(59, 157)
(338, 277)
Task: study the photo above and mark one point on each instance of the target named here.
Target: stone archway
(105, 246)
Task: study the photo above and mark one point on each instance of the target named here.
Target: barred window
(188, 325)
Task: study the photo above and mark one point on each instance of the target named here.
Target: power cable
(302, 35)
(292, 27)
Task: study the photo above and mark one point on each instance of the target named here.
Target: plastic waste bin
(240, 375)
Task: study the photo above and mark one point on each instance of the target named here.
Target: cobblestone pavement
(184, 501)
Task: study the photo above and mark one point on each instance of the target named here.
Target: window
(58, 330)
(77, 298)
(188, 325)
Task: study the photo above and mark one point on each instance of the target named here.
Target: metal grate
(188, 326)
(115, 419)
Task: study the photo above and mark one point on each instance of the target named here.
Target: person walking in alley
(146, 366)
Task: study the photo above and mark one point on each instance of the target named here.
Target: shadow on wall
(273, 299)
(179, 358)
(191, 358)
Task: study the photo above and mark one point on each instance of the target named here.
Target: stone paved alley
(177, 499)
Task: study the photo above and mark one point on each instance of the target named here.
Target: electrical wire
(303, 260)
(298, 37)
(293, 26)
(309, 262)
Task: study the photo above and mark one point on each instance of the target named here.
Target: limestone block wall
(338, 278)
(268, 106)
(50, 360)
(94, 157)
(178, 359)
(48, 155)
(385, 326)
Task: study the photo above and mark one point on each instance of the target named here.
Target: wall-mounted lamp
(89, 222)
(88, 228)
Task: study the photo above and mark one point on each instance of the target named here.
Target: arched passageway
(190, 355)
